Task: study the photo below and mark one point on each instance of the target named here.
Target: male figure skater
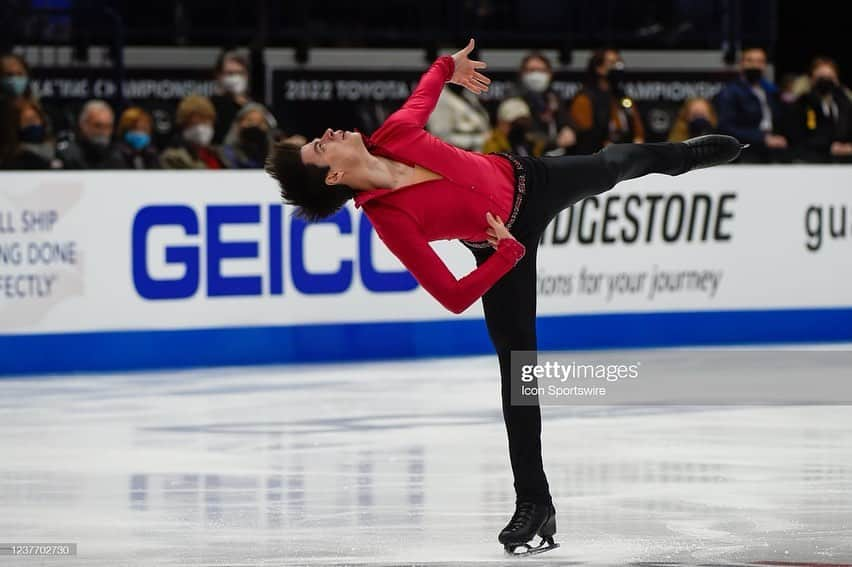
(415, 188)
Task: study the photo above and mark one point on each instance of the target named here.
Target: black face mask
(32, 134)
(615, 76)
(753, 75)
(699, 127)
(518, 132)
(254, 143)
(823, 86)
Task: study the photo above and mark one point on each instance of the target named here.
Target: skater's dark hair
(303, 185)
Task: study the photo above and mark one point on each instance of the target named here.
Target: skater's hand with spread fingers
(466, 74)
(496, 230)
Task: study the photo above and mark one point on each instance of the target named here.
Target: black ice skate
(710, 150)
(530, 519)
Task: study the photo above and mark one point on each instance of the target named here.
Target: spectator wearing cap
(514, 132)
(192, 148)
(134, 139)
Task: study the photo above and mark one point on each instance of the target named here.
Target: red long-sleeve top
(453, 207)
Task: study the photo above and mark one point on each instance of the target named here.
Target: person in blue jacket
(749, 109)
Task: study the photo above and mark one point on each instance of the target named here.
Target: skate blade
(525, 549)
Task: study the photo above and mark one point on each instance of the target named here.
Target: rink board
(122, 270)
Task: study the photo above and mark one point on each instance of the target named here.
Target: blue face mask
(137, 139)
(32, 134)
(15, 84)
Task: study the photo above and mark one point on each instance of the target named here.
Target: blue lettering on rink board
(188, 252)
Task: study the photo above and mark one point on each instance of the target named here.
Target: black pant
(553, 184)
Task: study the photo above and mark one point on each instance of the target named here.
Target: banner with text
(112, 253)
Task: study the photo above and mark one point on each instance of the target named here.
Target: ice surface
(403, 463)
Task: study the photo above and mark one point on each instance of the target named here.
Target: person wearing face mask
(93, 147)
(602, 112)
(249, 138)
(31, 146)
(14, 77)
(17, 86)
(192, 148)
(134, 139)
(549, 123)
(696, 117)
(749, 109)
(512, 133)
(823, 125)
(232, 78)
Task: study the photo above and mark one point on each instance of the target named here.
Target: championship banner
(103, 270)
(63, 91)
(309, 101)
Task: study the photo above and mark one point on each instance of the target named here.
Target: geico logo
(202, 239)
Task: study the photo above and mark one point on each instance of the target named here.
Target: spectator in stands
(696, 117)
(193, 149)
(549, 121)
(15, 78)
(822, 131)
(459, 118)
(16, 84)
(513, 132)
(249, 138)
(749, 110)
(232, 76)
(602, 113)
(29, 146)
(93, 148)
(134, 139)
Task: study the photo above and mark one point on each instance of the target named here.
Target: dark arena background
(193, 375)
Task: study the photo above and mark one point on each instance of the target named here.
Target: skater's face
(340, 151)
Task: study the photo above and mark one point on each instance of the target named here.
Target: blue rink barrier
(159, 349)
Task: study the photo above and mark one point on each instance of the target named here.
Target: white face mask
(235, 83)
(200, 134)
(536, 81)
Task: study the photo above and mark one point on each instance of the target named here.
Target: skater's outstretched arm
(403, 237)
(457, 69)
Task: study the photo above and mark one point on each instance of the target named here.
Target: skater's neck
(377, 172)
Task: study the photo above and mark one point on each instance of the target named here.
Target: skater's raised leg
(570, 179)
